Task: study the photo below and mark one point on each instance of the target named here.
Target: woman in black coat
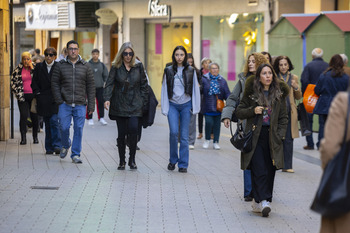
(126, 95)
(46, 106)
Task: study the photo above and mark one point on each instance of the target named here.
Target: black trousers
(127, 129)
(263, 171)
(24, 111)
(99, 103)
(200, 122)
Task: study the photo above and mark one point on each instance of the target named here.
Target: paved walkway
(96, 197)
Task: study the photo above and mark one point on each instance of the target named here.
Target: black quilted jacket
(72, 83)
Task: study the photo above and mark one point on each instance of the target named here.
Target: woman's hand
(226, 122)
(106, 104)
(294, 84)
(258, 110)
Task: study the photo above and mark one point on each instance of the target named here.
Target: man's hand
(106, 104)
(226, 122)
(91, 112)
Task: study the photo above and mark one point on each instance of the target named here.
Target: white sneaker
(102, 121)
(256, 207)
(206, 144)
(91, 122)
(265, 208)
(191, 147)
(216, 146)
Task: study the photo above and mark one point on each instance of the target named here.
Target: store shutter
(85, 14)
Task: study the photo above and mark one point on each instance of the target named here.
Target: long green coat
(278, 123)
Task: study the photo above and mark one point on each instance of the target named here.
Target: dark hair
(174, 63)
(37, 51)
(336, 66)
(95, 51)
(189, 55)
(72, 42)
(268, 54)
(277, 63)
(50, 50)
(275, 92)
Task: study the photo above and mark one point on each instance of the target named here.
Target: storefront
(226, 33)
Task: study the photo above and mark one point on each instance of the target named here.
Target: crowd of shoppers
(265, 96)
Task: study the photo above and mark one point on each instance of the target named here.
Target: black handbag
(243, 141)
(333, 194)
(303, 120)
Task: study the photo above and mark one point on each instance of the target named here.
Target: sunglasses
(128, 53)
(49, 54)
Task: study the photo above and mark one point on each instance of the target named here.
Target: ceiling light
(233, 18)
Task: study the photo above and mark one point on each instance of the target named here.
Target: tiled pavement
(96, 197)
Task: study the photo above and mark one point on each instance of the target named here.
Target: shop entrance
(161, 39)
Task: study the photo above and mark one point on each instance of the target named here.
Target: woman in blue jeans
(180, 96)
(214, 87)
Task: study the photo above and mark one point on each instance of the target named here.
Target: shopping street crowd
(264, 99)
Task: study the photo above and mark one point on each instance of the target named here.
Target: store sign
(154, 9)
(50, 16)
(106, 16)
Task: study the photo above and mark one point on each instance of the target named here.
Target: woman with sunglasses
(126, 95)
(46, 106)
(20, 84)
(179, 98)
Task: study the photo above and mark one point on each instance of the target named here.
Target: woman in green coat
(264, 96)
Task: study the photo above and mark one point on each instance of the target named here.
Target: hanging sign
(154, 9)
(106, 16)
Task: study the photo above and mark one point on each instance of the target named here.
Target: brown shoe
(308, 148)
(200, 136)
(288, 170)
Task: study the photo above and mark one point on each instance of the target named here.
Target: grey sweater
(100, 73)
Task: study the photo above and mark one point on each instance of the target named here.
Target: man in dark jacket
(310, 75)
(73, 81)
(46, 106)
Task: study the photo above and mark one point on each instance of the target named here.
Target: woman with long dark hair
(283, 67)
(264, 102)
(126, 93)
(180, 96)
(328, 85)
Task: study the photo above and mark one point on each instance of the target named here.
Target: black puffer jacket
(71, 83)
(127, 91)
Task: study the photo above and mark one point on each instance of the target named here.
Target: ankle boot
(132, 163)
(35, 137)
(23, 139)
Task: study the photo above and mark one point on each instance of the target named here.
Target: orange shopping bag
(310, 98)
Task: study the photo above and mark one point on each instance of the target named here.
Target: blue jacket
(209, 101)
(312, 72)
(327, 87)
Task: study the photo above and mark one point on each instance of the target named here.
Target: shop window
(86, 42)
(24, 40)
(161, 39)
(228, 40)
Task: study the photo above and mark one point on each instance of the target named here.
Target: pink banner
(231, 70)
(206, 48)
(159, 38)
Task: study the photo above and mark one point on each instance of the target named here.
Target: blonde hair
(118, 60)
(27, 54)
(259, 60)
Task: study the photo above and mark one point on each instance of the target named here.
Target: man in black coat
(73, 87)
(310, 75)
(46, 107)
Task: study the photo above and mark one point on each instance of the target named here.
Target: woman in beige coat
(330, 145)
(282, 67)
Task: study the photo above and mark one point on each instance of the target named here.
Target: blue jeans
(65, 115)
(310, 139)
(247, 180)
(182, 112)
(52, 133)
(321, 123)
(212, 124)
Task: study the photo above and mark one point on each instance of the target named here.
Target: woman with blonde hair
(21, 81)
(126, 95)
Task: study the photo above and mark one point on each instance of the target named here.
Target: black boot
(132, 163)
(35, 137)
(121, 150)
(23, 139)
